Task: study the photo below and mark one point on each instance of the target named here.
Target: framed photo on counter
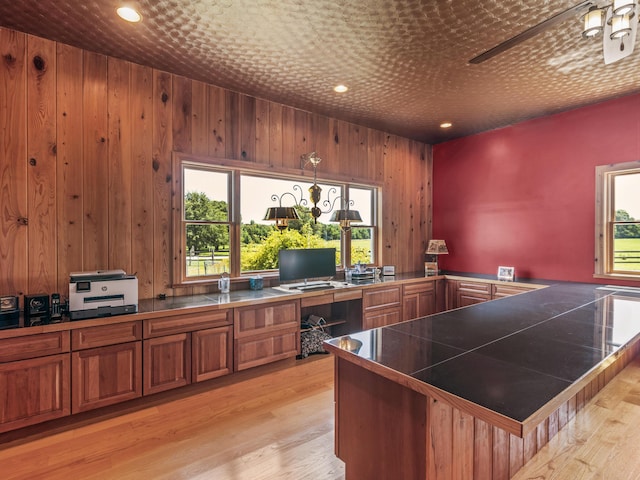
(506, 273)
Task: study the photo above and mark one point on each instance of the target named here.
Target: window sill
(618, 276)
(213, 281)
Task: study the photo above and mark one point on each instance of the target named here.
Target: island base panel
(385, 430)
(380, 426)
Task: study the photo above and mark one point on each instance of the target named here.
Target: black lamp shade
(346, 215)
(281, 215)
(277, 213)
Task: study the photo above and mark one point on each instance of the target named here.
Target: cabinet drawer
(381, 297)
(475, 287)
(316, 300)
(347, 294)
(259, 350)
(105, 335)
(500, 290)
(265, 318)
(381, 318)
(186, 323)
(413, 288)
(466, 299)
(31, 346)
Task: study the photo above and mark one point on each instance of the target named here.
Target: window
(618, 220)
(205, 223)
(221, 220)
(259, 245)
(363, 235)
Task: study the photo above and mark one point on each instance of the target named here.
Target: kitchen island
(476, 392)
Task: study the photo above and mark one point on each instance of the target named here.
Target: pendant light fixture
(281, 215)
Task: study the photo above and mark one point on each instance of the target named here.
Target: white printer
(102, 293)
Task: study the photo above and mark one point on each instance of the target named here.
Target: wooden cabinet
(48, 375)
(461, 293)
(418, 299)
(266, 333)
(34, 390)
(106, 365)
(465, 293)
(381, 306)
(182, 349)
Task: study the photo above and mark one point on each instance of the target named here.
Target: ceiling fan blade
(530, 32)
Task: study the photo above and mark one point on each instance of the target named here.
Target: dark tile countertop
(511, 356)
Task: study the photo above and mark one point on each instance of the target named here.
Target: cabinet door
(381, 318)
(106, 375)
(33, 391)
(418, 300)
(261, 349)
(419, 305)
(167, 362)
(212, 353)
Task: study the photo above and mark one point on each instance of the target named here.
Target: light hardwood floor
(279, 425)
(601, 442)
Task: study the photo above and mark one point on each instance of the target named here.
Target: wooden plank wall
(85, 163)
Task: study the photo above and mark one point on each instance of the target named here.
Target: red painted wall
(524, 195)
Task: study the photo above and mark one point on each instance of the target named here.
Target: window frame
(345, 238)
(181, 223)
(236, 169)
(605, 220)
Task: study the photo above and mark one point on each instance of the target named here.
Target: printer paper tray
(102, 312)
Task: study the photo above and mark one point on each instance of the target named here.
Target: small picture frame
(430, 268)
(388, 270)
(506, 273)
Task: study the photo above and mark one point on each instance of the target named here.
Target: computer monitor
(306, 263)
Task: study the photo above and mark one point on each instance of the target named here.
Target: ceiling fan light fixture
(593, 22)
(620, 26)
(623, 7)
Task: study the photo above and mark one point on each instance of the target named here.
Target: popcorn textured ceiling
(405, 61)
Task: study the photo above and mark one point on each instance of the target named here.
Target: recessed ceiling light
(129, 14)
(340, 88)
(446, 125)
